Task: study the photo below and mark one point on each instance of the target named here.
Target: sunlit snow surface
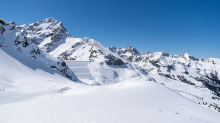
(125, 102)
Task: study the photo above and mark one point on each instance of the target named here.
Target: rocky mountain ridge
(47, 34)
(185, 68)
(17, 43)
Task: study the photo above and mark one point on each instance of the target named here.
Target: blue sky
(173, 26)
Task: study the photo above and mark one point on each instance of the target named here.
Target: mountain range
(45, 49)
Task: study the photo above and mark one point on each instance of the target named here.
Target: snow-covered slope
(76, 49)
(99, 73)
(126, 102)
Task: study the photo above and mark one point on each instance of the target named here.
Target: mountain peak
(50, 19)
(186, 55)
(112, 48)
(128, 47)
(128, 50)
(47, 34)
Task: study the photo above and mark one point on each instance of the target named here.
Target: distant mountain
(125, 52)
(185, 68)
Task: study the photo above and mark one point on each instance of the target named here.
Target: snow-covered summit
(16, 44)
(47, 34)
(76, 49)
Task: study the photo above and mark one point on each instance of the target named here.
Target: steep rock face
(15, 43)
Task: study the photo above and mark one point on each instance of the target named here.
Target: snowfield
(125, 102)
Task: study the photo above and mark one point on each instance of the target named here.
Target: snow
(98, 73)
(126, 102)
(60, 49)
(20, 82)
(82, 71)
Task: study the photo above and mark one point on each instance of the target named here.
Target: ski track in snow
(175, 94)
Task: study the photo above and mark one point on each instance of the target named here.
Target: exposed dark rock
(17, 40)
(155, 63)
(12, 27)
(64, 56)
(2, 22)
(165, 54)
(2, 30)
(169, 68)
(167, 75)
(112, 60)
(183, 79)
(25, 42)
(193, 58)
